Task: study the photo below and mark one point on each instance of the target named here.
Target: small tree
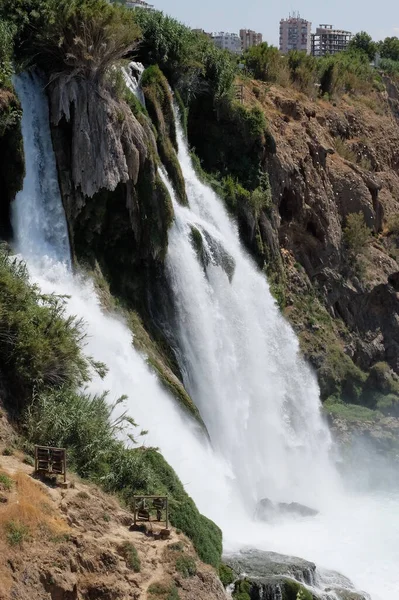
(363, 42)
(356, 233)
(389, 48)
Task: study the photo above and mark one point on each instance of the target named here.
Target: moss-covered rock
(159, 104)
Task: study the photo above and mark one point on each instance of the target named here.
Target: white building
(139, 4)
(227, 41)
(295, 34)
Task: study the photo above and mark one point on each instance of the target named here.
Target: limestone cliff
(329, 161)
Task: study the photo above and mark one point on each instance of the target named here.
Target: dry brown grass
(29, 506)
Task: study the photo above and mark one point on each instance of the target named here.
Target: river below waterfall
(240, 360)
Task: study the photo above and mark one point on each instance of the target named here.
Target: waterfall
(38, 218)
(241, 364)
(132, 75)
(41, 238)
(240, 358)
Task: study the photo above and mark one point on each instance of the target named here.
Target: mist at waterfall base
(240, 362)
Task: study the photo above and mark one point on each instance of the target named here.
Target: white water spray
(132, 75)
(257, 396)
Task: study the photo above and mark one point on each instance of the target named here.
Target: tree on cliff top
(85, 37)
(364, 43)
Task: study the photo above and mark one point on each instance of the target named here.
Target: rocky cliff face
(332, 161)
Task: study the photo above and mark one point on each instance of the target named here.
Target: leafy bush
(226, 575)
(168, 592)
(389, 48)
(40, 345)
(389, 66)
(129, 553)
(186, 566)
(190, 61)
(7, 32)
(345, 72)
(242, 590)
(265, 63)
(303, 71)
(84, 37)
(356, 233)
(363, 42)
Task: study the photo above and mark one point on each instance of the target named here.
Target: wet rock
(267, 510)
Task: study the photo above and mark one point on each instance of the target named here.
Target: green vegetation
(39, 344)
(45, 365)
(186, 566)
(242, 590)
(83, 37)
(363, 42)
(5, 482)
(129, 553)
(226, 575)
(295, 591)
(17, 533)
(356, 234)
(159, 105)
(350, 412)
(167, 592)
(8, 451)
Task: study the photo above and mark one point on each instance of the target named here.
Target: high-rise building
(295, 34)
(249, 38)
(227, 41)
(327, 40)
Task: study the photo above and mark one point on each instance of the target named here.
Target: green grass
(5, 482)
(351, 412)
(131, 557)
(16, 533)
(186, 566)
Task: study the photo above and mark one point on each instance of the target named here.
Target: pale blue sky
(380, 18)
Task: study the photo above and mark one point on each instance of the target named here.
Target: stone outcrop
(332, 160)
(273, 576)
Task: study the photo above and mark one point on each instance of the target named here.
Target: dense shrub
(190, 61)
(363, 42)
(389, 48)
(84, 37)
(356, 233)
(40, 345)
(7, 32)
(265, 62)
(345, 72)
(303, 71)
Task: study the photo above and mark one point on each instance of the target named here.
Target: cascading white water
(260, 402)
(268, 440)
(41, 238)
(132, 75)
(39, 223)
(257, 396)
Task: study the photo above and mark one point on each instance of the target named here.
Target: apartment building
(327, 40)
(227, 41)
(295, 34)
(249, 38)
(139, 4)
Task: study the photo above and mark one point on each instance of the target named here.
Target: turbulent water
(240, 361)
